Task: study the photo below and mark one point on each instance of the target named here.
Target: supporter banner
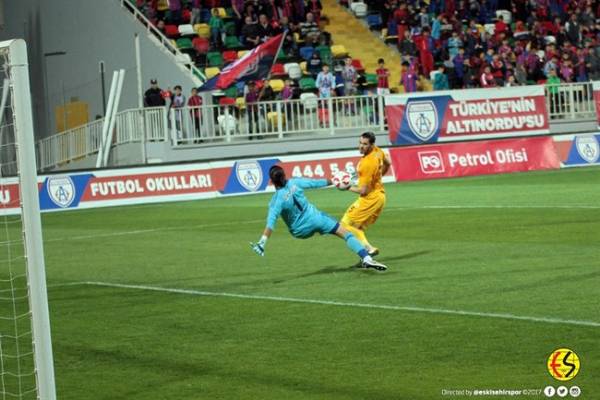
(596, 90)
(173, 183)
(473, 158)
(255, 65)
(578, 150)
(466, 114)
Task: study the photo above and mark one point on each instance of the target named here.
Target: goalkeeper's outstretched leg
(303, 219)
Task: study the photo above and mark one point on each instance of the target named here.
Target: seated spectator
(250, 33)
(407, 47)
(314, 7)
(510, 81)
(175, 10)
(487, 79)
(453, 44)
(309, 30)
(314, 65)
(566, 71)
(290, 47)
(500, 26)
(265, 30)
(520, 74)
(497, 69)
(440, 80)
(287, 93)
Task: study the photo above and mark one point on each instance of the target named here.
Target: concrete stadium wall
(89, 32)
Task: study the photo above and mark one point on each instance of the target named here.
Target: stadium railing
(275, 120)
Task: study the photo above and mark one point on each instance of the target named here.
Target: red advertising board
(474, 158)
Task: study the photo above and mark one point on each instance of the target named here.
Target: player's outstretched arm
(259, 247)
(307, 183)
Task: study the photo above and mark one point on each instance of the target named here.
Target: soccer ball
(342, 180)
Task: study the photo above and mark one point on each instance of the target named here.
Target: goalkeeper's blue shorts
(315, 222)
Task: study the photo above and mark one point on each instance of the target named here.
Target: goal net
(26, 365)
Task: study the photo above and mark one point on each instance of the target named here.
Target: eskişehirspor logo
(61, 190)
(249, 175)
(422, 119)
(588, 148)
(563, 364)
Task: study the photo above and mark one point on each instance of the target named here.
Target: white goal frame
(18, 74)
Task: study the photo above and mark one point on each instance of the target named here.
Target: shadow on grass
(334, 269)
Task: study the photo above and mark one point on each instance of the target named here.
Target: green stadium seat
(184, 44)
(371, 79)
(232, 42)
(307, 83)
(215, 59)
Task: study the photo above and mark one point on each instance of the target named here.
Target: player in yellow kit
(371, 200)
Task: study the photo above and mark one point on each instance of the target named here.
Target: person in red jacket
(425, 47)
(194, 102)
(487, 79)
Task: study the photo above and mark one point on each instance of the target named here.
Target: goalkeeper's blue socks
(354, 245)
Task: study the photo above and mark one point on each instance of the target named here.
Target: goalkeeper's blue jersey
(301, 217)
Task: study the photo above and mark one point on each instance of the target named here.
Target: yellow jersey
(370, 169)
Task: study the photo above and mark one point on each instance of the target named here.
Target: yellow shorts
(365, 210)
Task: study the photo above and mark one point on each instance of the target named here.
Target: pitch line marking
(172, 228)
(341, 304)
(162, 229)
(483, 207)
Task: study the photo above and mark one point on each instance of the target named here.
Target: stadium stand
(520, 42)
(224, 30)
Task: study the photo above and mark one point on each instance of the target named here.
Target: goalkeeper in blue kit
(303, 219)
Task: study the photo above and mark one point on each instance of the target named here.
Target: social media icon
(549, 391)
(574, 391)
(562, 391)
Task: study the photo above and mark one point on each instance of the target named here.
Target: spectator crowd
(490, 43)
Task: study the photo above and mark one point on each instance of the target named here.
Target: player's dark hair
(370, 136)
(277, 175)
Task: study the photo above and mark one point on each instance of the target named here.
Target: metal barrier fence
(83, 141)
(275, 119)
(570, 101)
(306, 117)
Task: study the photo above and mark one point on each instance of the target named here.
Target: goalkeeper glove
(259, 248)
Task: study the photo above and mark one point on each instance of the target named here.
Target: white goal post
(18, 111)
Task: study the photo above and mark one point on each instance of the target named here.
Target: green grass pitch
(519, 254)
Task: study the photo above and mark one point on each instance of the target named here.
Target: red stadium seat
(227, 101)
(278, 70)
(357, 64)
(229, 56)
(201, 45)
(171, 31)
